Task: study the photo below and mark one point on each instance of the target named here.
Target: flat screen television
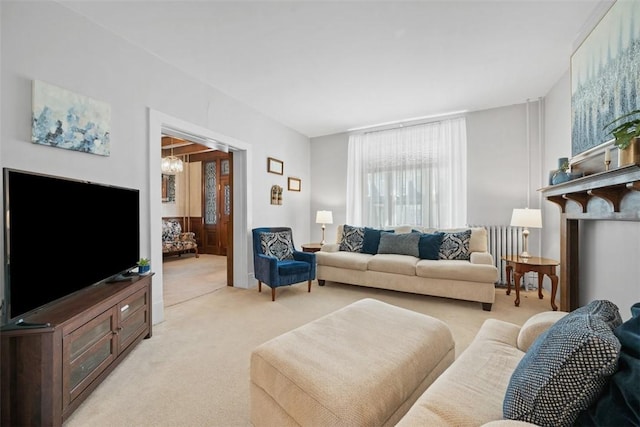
(62, 235)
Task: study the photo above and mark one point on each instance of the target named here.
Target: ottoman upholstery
(364, 364)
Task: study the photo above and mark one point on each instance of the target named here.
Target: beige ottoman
(362, 365)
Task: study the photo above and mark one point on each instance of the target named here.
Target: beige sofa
(472, 390)
(472, 280)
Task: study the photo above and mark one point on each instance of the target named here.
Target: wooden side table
(542, 266)
(311, 247)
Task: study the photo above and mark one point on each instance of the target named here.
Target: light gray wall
(46, 41)
(497, 169)
(609, 267)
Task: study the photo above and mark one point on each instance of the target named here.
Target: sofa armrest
(330, 247)
(481, 258)
(535, 325)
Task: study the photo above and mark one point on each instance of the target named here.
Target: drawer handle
(125, 308)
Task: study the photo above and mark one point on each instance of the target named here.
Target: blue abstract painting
(605, 76)
(64, 119)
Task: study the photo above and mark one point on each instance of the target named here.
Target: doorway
(238, 242)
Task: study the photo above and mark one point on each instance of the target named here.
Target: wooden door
(217, 204)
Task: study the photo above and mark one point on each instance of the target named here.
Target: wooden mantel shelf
(611, 186)
(612, 195)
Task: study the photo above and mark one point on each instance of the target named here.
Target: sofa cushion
(619, 404)
(277, 244)
(401, 244)
(371, 240)
(566, 368)
(429, 245)
(455, 245)
(393, 263)
(348, 260)
(352, 238)
(456, 270)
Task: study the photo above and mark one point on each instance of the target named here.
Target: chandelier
(171, 165)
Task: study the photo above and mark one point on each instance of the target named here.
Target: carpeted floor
(187, 277)
(194, 371)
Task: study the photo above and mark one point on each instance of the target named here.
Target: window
(413, 175)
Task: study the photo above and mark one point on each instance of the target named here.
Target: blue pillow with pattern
(456, 245)
(278, 244)
(352, 238)
(566, 368)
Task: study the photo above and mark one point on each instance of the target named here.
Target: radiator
(503, 240)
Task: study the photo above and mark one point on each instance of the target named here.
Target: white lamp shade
(324, 217)
(528, 218)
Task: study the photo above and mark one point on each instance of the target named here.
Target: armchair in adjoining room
(175, 241)
(276, 262)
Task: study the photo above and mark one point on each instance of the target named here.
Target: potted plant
(626, 136)
(144, 266)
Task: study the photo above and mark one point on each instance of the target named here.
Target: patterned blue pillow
(456, 245)
(566, 368)
(277, 244)
(352, 238)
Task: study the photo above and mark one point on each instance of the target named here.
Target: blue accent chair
(275, 272)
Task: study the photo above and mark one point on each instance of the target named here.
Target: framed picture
(275, 166)
(605, 81)
(64, 119)
(294, 184)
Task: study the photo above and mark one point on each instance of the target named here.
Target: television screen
(62, 235)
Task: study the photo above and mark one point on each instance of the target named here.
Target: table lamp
(324, 217)
(526, 218)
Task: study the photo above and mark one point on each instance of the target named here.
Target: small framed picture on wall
(275, 166)
(295, 184)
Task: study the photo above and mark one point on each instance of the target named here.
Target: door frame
(241, 199)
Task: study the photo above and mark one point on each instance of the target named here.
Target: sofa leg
(309, 286)
(197, 254)
(320, 282)
(273, 294)
(486, 306)
(259, 286)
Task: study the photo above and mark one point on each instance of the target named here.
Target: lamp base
(525, 254)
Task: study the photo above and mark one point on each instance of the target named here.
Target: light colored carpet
(187, 277)
(194, 371)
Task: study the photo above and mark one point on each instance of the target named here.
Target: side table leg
(508, 270)
(516, 284)
(554, 289)
(540, 279)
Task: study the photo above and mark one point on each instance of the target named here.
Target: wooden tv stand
(47, 371)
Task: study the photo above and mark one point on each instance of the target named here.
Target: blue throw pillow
(401, 244)
(371, 240)
(429, 245)
(619, 404)
(566, 368)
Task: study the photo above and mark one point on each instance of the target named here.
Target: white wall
(46, 41)
(609, 267)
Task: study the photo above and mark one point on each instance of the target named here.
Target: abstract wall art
(605, 76)
(64, 119)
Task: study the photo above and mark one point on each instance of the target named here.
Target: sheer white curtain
(413, 175)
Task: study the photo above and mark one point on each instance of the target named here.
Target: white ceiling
(322, 67)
